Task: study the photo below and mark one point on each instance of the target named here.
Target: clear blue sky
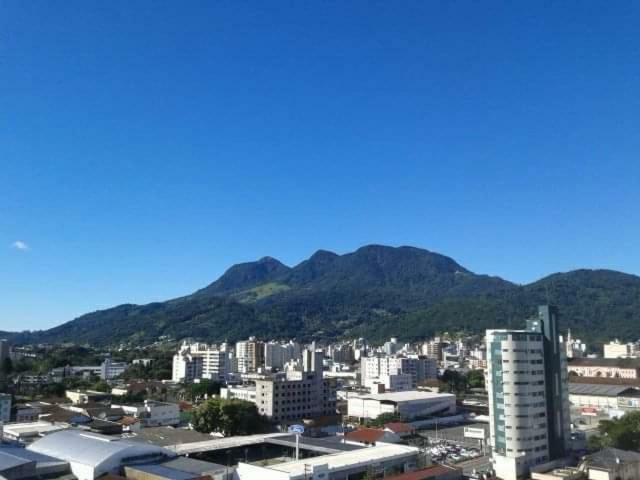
(147, 146)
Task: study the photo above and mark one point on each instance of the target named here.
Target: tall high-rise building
(199, 360)
(249, 355)
(528, 397)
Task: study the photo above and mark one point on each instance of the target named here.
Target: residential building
(239, 392)
(249, 355)
(419, 367)
(433, 348)
(612, 464)
(616, 349)
(409, 405)
(528, 397)
(276, 354)
(5, 407)
(391, 347)
(300, 394)
(199, 360)
(152, 413)
(390, 383)
(110, 369)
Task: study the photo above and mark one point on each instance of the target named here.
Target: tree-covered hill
(375, 292)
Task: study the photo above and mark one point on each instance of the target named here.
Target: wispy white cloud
(20, 245)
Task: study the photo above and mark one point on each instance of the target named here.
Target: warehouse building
(409, 405)
(91, 455)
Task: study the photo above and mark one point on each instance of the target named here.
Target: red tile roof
(365, 435)
(399, 427)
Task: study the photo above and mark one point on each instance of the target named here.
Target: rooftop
(338, 461)
(407, 396)
(602, 390)
(167, 436)
(609, 457)
(89, 448)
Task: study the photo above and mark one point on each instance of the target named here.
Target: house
(371, 436)
(612, 464)
(400, 428)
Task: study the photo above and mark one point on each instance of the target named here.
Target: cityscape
(516, 403)
(319, 240)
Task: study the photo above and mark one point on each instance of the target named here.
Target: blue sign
(297, 429)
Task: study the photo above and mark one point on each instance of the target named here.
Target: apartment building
(528, 395)
(276, 354)
(199, 360)
(419, 367)
(300, 394)
(249, 355)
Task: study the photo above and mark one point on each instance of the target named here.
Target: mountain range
(375, 292)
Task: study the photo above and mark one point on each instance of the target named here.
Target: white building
(199, 360)
(153, 414)
(5, 407)
(110, 369)
(420, 368)
(276, 355)
(249, 355)
(91, 455)
(409, 405)
(382, 459)
(399, 382)
(616, 349)
(239, 392)
(528, 397)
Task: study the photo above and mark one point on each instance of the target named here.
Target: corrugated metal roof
(599, 389)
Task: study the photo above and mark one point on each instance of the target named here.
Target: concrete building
(612, 464)
(152, 413)
(110, 369)
(400, 382)
(92, 455)
(5, 407)
(239, 392)
(605, 367)
(249, 355)
(409, 405)
(528, 397)
(276, 355)
(575, 347)
(433, 348)
(199, 360)
(616, 349)
(419, 367)
(303, 393)
(381, 460)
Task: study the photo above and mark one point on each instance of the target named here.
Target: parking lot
(449, 445)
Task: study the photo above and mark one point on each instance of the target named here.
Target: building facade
(528, 397)
(199, 360)
(5, 407)
(249, 355)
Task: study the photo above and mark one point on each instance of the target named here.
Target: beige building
(605, 367)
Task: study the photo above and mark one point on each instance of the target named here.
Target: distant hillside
(376, 291)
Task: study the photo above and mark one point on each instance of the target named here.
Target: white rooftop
(338, 461)
(410, 395)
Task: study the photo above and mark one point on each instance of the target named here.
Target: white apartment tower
(528, 397)
(249, 355)
(199, 360)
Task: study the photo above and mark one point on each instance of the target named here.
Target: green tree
(197, 391)
(384, 418)
(475, 379)
(230, 417)
(623, 433)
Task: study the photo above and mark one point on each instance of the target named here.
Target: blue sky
(147, 146)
